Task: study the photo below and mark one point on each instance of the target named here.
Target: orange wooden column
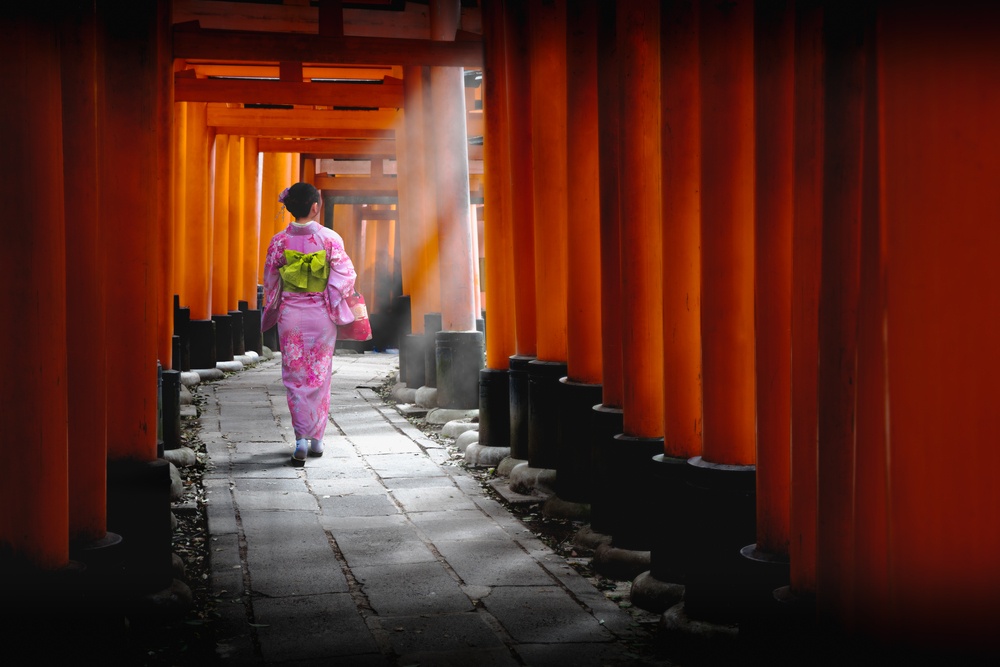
(547, 46)
(252, 206)
(682, 412)
(34, 519)
(498, 222)
(164, 120)
(459, 345)
(197, 240)
(580, 389)
(237, 181)
(628, 458)
(521, 183)
(844, 56)
(85, 268)
(774, 45)
(941, 240)
(607, 418)
(722, 478)
(806, 245)
(178, 226)
(220, 227)
(269, 206)
(129, 170)
(682, 425)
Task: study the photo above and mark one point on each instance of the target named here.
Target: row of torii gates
(740, 283)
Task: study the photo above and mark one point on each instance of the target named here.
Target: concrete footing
(459, 358)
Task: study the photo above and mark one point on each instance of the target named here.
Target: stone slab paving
(381, 552)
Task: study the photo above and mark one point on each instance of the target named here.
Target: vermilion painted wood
(498, 278)
(681, 155)
(251, 223)
(196, 294)
(85, 268)
(639, 43)
(774, 45)
(609, 147)
(521, 176)
(547, 35)
(583, 346)
(806, 245)
(221, 221)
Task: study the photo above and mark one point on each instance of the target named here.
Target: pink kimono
(307, 274)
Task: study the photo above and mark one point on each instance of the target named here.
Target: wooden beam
(304, 122)
(198, 43)
(386, 95)
(330, 148)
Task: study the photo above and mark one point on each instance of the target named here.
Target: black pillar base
(494, 408)
(103, 578)
(170, 389)
(723, 520)
(543, 412)
(252, 340)
(517, 381)
(608, 422)
(765, 573)
(202, 344)
(401, 310)
(239, 344)
(460, 355)
(415, 345)
(270, 340)
(432, 325)
(139, 511)
(625, 471)
(575, 432)
(669, 535)
(182, 329)
(223, 338)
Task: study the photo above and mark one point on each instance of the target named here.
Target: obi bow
(305, 272)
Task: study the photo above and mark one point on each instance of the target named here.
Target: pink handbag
(360, 329)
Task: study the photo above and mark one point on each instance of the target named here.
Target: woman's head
(299, 199)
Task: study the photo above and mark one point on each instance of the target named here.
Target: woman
(307, 275)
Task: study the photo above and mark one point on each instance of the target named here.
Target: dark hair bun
(300, 199)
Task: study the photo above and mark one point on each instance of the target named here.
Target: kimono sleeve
(272, 282)
(341, 281)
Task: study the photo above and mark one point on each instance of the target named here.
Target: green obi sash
(304, 272)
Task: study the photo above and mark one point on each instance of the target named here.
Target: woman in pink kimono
(307, 275)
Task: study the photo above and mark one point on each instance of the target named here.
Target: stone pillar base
(171, 408)
(202, 337)
(494, 408)
(414, 345)
(607, 422)
(239, 344)
(139, 511)
(723, 520)
(459, 358)
(517, 381)
(223, 338)
(543, 412)
(625, 472)
(574, 433)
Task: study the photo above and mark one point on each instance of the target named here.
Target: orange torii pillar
(418, 241)
(273, 217)
(90, 541)
(459, 346)
(547, 40)
(498, 278)
(662, 587)
(236, 225)
(806, 247)
(580, 389)
(221, 223)
(182, 314)
(521, 184)
(138, 482)
(774, 47)
(251, 241)
(34, 515)
(197, 294)
(722, 479)
(942, 321)
(607, 417)
(847, 46)
(626, 459)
